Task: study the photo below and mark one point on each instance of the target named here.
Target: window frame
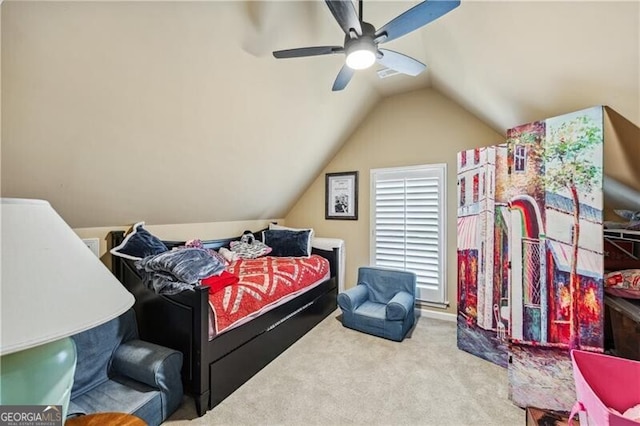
(428, 295)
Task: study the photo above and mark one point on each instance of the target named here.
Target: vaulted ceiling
(508, 62)
(102, 97)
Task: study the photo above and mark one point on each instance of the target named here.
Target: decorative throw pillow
(288, 243)
(249, 248)
(625, 283)
(276, 227)
(188, 265)
(138, 244)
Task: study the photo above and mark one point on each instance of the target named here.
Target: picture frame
(341, 196)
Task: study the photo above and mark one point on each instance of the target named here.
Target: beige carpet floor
(337, 376)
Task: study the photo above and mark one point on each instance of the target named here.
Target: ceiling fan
(361, 38)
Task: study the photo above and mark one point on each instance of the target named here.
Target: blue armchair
(118, 372)
(381, 304)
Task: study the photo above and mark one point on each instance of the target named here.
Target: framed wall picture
(341, 196)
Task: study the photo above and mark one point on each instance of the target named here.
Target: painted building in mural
(558, 245)
(471, 184)
(482, 230)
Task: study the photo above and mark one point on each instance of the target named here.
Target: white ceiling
(514, 62)
(103, 78)
(508, 62)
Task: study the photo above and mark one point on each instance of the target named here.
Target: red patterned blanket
(264, 283)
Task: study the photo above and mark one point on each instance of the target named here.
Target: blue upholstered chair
(382, 303)
(118, 372)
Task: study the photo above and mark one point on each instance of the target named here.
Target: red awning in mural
(468, 232)
(590, 263)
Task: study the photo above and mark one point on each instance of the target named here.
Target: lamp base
(39, 376)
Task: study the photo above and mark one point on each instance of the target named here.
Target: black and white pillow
(249, 248)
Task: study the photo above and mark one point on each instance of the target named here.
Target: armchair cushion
(153, 365)
(384, 283)
(352, 298)
(400, 305)
(143, 361)
(123, 395)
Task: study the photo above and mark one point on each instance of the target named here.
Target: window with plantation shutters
(408, 225)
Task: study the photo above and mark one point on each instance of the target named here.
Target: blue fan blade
(346, 15)
(343, 78)
(414, 18)
(401, 63)
(308, 51)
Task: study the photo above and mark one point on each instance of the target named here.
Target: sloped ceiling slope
(176, 112)
(117, 112)
(513, 62)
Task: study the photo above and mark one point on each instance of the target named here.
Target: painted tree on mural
(568, 155)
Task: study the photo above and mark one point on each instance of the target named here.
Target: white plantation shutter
(408, 225)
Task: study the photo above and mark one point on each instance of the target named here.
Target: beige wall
(621, 149)
(421, 127)
(114, 111)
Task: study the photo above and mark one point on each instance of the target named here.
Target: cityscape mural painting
(530, 251)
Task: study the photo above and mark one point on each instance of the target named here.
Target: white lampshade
(52, 285)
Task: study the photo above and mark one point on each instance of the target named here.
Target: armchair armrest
(151, 364)
(350, 299)
(399, 306)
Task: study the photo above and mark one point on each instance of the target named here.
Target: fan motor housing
(353, 42)
(368, 31)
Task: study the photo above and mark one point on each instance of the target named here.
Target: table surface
(106, 419)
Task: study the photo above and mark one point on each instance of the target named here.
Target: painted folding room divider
(530, 253)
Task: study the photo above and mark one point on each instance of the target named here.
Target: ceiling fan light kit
(360, 54)
(362, 39)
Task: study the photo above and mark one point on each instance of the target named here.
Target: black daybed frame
(212, 370)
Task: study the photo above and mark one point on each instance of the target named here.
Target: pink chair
(603, 384)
